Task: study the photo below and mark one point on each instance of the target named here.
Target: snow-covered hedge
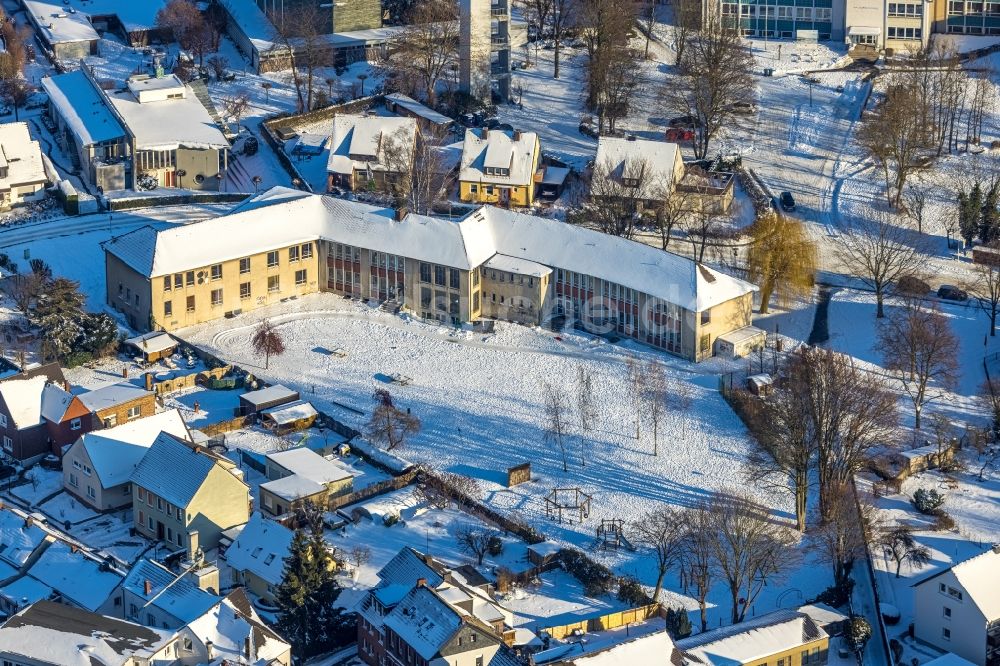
(386, 459)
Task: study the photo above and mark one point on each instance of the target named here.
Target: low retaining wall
(175, 200)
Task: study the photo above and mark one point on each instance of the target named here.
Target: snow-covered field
(480, 399)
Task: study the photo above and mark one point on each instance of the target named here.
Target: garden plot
(65, 508)
(111, 534)
(40, 483)
(480, 399)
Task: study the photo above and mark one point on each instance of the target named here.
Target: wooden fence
(187, 381)
(380, 488)
(213, 429)
(605, 622)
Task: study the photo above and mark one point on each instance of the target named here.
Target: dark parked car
(587, 129)
(787, 201)
(684, 121)
(7, 471)
(952, 293)
(491, 123)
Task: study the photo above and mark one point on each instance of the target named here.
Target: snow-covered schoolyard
(480, 398)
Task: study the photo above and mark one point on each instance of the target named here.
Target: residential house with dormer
(500, 167)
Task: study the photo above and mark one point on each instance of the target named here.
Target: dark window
(244, 265)
(425, 272)
(217, 272)
(454, 278)
(190, 303)
(439, 275)
(168, 309)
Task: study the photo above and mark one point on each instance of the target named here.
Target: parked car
(950, 292)
(744, 108)
(684, 121)
(587, 129)
(491, 123)
(471, 119)
(787, 201)
(676, 134)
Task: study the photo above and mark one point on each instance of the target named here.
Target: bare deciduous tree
(428, 46)
(438, 488)
(359, 556)
(557, 427)
(586, 406)
(696, 557)
(266, 341)
(702, 224)
(880, 251)
(921, 350)
(687, 20)
(655, 393)
(750, 549)
(715, 73)
(476, 541)
(899, 544)
(605, 25)
(986, 290)
(850, 413)
(662, 530)
(841, 538)
(299, 30)
(893, 136)
(389, 425)
(236, 106)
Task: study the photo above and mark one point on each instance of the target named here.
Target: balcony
(499, 40)
(499, 11)
(498, 69)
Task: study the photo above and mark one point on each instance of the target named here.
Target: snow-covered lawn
(201, 406)
(110, 534)
(39, 484)
(480, 399)
(64, 507)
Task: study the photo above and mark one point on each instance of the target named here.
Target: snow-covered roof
(505, 262)
(741, 335)
(408, 566)
(21, 155)
(261, 548)
(655, 648)
(360, 142)
(173, 470)
(152, 343)
(112, 395)
(55, 401)
(229, 623)
(172, 594)
(418, 109)
(181, 122)
(497, 149)
(25, 591)
(23, 398)
(424, 621)
(290, 412)
(752, 639)
(980, 577)
(52, 633)
(83, 107)
(58, 25)
(115, 452)
(18, 540)
(463, 244)
(269, 394)
(77, 578)
(309, 464)
(650, 162)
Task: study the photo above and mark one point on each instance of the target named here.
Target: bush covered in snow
(630, 591)
(859, 632)
(927, 501)
(597, 579)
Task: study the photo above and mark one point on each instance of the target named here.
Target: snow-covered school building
(491, 263)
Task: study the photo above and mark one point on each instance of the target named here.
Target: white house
(97, 467)
(638, 168)
(22, 171)
(958, 609)
(371, 151)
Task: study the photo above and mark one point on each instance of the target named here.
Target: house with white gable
(301, 475)
(641, 170)
(369, 152)
(958, 609)
(97, 466)
(22, 171)
(500, 167)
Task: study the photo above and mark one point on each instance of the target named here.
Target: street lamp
(180, 176)
(256, 183)
(222, 183)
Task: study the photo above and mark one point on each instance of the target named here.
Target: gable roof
(407, 566)
(23, 398)
(171, 593)
(261, 548)
(652, 162)
(112, 395)
(229, 623)
(83, 107)
(360, 142)
(173, 470)
(424, 620)
(58, 634)
(752, 639)
(18, 540)
(115, 452)
(21, 155)
(655, 648)
(463, 244)
(79, 579)
(497, 149)
(305, 462)
(980, 577)
(56, 402)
